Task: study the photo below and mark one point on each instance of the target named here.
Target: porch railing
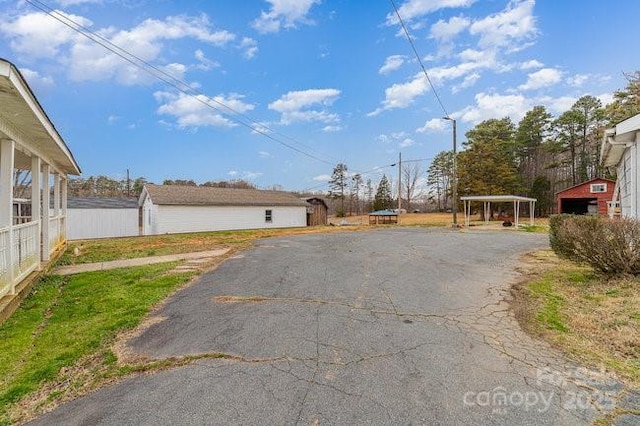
(19, 259)
(57, 232)
(26, 253)
(6, 282)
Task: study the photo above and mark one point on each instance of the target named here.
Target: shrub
(609, 246)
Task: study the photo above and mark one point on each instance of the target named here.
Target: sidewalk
(125, 263)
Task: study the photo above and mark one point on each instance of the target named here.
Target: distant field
(428, 219)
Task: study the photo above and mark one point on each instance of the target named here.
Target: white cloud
(205, 63)
(446, 30)
(508, 29)
(468, 81)
(34, 79)
(66, 3)
(37, 35)
(406, 142)
(193, 112)
(401, 95)
(542, 78)
(578, 79)
(495, 106)
(284, 14)
(112, 119)
(401, 139)
(303, 105)
(331, 128)
(414, 9)
(392, 63)
(322, 178)
(530, 65)
(249, 46)
(264, 154)
(433, 125)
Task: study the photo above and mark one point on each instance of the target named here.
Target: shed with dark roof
(169, 209)
(92, 217)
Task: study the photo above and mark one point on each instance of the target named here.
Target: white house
(169, 209)
(29, 143)
(620, 150)
(102, 218)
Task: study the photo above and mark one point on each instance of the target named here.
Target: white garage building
(102, 218)
(171, 209)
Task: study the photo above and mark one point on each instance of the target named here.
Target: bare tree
(410, 175)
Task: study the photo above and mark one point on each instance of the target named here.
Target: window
(268, 216)
(598, 187)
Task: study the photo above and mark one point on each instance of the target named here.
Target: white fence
(19, 259)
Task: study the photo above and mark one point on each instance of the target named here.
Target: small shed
(317, 211)
(383, 217)
(590, 197)
(91, 217)
(172, 209)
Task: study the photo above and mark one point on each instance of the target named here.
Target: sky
(277, 92)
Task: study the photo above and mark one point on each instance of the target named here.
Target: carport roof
(496, 198)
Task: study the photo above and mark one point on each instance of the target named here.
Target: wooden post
(7, 157)
(36, 184)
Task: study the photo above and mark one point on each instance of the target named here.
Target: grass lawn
(66, 319)
(595, 320)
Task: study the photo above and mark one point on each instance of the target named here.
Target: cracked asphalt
(394, 326)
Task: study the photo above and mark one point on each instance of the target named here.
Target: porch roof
(617, 139)
(23, 120)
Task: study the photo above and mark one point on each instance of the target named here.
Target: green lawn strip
(67, 318)
(589, 316)
(108, 249)
(549, 311)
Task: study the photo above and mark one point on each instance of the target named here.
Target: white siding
(628, 179)
(101, 223)
(149, 217)
(179, 219)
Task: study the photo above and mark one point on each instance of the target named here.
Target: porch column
(56, 195)
(36, 185)
(63, 206)
(7, 157)
(46, 199)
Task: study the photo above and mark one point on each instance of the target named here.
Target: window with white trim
(598, 187)
(268, 216)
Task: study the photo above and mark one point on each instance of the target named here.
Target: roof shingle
(209, 196)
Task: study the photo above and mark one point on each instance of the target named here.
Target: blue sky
(334, 79)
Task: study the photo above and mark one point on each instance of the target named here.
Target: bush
(609, 246)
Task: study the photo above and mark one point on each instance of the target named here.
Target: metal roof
(101, 203)
(208, 196)
(617, 139)
(496, 198)
(23, 120)
(384, 213)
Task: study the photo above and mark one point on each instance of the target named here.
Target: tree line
(536, 157)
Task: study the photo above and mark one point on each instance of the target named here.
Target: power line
(174, 82)
(415, 51)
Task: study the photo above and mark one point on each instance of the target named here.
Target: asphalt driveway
(395, 326)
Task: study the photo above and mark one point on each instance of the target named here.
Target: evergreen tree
(338, 185)
(383, 199)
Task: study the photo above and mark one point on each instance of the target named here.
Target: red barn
(589, 197)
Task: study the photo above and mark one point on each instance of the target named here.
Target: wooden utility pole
(399, 182)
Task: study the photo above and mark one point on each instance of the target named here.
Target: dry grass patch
(596, 320)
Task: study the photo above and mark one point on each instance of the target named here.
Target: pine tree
(383, 199)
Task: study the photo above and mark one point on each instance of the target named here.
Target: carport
(488, 199)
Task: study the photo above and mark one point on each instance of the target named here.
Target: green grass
(67, 318)
(107, 249)
(549, 312)
(593, 318)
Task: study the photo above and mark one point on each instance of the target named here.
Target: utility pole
(454, 189)
(399, 182)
